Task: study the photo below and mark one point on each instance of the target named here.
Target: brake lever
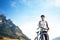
(45, 29)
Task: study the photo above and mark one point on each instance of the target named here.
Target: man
(43, 25)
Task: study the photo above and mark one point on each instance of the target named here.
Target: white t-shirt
(42, 24)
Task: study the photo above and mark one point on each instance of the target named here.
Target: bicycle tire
(42, 38)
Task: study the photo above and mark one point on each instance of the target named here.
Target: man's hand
(37, 28)
(40, 27)
(44, 28)
(48, 28)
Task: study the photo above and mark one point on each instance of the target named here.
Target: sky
(26, 15)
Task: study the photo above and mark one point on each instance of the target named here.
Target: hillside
(10, 30)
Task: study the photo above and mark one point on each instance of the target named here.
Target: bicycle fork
(37, 36)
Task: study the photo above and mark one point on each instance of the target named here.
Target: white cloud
(57, 3)
(30, 3)
(13, 4)
(24, 1)
(29, 29)
(39, 3)
(45, 5)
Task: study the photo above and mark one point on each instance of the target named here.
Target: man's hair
(42, 15)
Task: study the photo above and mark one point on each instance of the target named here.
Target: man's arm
(39, 25)
(47, 25)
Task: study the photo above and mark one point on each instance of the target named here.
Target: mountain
(10, 30)
(57, 38)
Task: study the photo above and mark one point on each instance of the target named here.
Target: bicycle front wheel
(42, 37)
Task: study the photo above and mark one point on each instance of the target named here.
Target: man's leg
(41, 35)
(46, 36)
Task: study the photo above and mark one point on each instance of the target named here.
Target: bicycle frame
(36, 38)
(40, 34)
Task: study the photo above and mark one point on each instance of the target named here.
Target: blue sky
(26, 14)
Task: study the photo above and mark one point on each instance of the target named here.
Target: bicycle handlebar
(43, 28)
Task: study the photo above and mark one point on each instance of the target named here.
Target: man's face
(42, 18)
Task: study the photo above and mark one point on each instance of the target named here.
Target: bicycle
(40, 35)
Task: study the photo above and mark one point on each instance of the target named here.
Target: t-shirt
(43, 24)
